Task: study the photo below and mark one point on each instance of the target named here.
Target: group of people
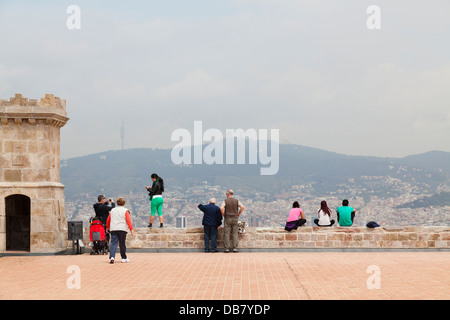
(345, 216)
(229, 210)
(117, 220)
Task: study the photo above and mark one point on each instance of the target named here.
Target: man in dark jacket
(212, 219)
(102, 209)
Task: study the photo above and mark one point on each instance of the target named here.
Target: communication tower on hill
(122, 134)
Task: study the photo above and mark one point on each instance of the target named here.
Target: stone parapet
(303, 238)
(48, 101)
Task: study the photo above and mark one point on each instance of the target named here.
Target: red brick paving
(232, 276)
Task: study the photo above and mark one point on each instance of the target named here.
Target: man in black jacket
(102, 209)
(212, 219)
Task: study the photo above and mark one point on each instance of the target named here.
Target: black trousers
(118, 238)
(316, 221)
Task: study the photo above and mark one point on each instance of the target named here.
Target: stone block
(367, 236)
(328, 244)
(291, 237)
(135, 244)
(434, 236)
(175, 244)
(304, 237)
(441, 244)
(268, 237)
(188, 244)
(42, 241)
(321, 237)
(421, 244)
(11, 175)
(181, 237)
(412, 236)
(423, 236)
(309, 244)
(278, 237)
(393, 236)
(402, 236)
(43, 223)
(156, 237)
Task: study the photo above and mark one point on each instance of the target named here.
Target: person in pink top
(296, 218)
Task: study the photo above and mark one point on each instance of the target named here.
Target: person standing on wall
(231, 209)
(156, 199)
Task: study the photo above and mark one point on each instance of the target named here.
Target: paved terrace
(229, 276)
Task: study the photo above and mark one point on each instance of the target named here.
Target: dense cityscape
(267, 210)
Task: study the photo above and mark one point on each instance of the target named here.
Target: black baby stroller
(98, 237)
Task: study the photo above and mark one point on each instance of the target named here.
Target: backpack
(372, 224)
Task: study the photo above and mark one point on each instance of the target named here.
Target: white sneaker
(125, 260)
(111, 260)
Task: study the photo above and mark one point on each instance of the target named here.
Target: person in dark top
(156, 199)
(212, 219)
(102, 209)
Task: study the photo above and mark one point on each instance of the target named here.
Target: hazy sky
(311, 69)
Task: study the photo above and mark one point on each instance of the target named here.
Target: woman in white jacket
(118, 223)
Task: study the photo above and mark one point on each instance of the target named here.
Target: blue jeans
(210, 234)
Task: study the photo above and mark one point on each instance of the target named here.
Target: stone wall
(303, 238)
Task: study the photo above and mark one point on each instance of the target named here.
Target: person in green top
(345, 214)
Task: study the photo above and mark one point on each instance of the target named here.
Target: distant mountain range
(320, 172)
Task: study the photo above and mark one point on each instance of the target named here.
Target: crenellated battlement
(48, 101)
(19, 110)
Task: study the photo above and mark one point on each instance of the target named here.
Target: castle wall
(303, 238)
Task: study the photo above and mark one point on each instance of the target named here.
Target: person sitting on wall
(324, 216)
(345, 214)
(296, 217)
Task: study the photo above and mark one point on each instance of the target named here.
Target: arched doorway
(17, 212)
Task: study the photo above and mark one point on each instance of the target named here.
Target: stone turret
(32, 210)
